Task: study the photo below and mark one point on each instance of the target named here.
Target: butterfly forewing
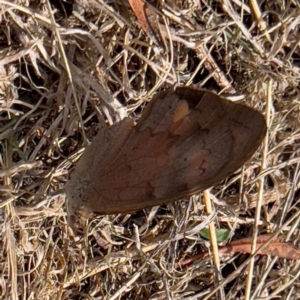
(185, 141)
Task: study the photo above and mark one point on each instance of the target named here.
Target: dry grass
(63, 75)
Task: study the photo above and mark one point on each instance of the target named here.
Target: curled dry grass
(64, 74)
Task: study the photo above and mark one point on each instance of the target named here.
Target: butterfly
(185, 141)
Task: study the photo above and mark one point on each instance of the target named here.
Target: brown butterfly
(186, 140)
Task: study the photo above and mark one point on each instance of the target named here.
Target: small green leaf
(221, 234)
